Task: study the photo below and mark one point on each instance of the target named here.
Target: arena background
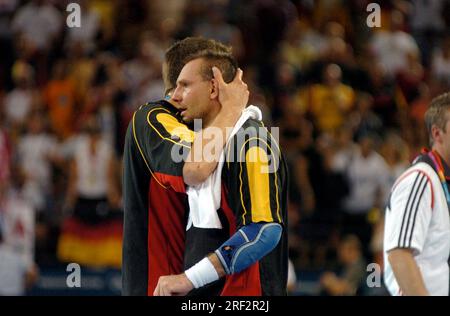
(348, 96)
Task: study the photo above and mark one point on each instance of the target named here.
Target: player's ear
(214, 89)
(436, 134)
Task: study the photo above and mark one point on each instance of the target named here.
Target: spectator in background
(367, 175)
(59, 96)
(15, 272)
(336, 50)
(382, 88)
(316, 39)
(17, 218)
(286, 80)
(351, 269)
(39, 23)
(409, 78)
(37, 26)
(304, 164)
(92, 191)
(320, 190)
(92, 234)
(82, 69)
(328, 102)
(427, 24)
(217, 28)
(393, 45)
(441, 62)
(36, 151)
(100, 100)
(23, 98)
(295, 48)
(142, 74)
(363, 119)
(107, 12)
(324, 11)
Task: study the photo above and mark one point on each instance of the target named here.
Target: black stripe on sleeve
(407, 207)
(415, 214)
(412, 206)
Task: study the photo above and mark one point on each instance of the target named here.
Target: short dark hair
(437, 114)
(222, 60)
(180, 53)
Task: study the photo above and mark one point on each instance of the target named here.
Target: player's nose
(177, 95)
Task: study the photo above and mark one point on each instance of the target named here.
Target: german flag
(97, 246)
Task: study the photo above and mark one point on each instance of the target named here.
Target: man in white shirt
(417, 222)
(367, 175)
(17, 268)
(39, 23)
(393, 46)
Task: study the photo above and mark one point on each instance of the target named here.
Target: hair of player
(224, 61)
(437, 114)
(181, 51)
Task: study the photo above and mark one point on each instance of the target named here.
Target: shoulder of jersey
(156, 106)
(422, 168)
(149, 111)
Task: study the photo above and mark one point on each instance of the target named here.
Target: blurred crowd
(348, 99)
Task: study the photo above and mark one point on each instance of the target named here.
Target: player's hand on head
(234, 95)
(173, 285)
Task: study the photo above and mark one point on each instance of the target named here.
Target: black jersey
(155, 203)
(254, 189)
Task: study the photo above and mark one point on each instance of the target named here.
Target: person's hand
(233, 96)
(173, 285)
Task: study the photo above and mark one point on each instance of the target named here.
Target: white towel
(204, 199)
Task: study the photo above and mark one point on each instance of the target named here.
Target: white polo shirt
(417, 217)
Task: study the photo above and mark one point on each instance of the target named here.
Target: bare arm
(406, 272)
(233, 97)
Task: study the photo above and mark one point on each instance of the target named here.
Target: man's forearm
(406, 272)
(200, 164)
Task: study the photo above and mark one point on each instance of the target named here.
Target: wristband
(202, 273)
